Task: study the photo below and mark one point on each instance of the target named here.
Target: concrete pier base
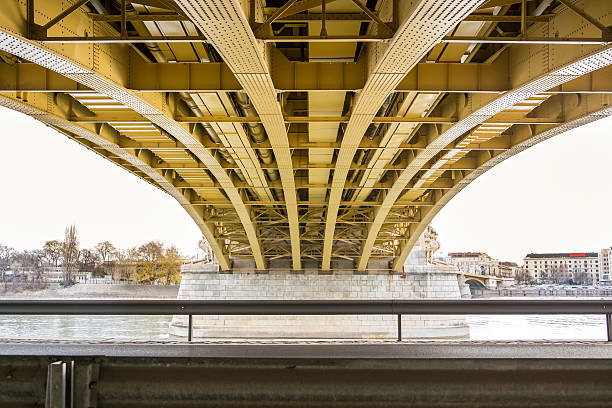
(205, 282)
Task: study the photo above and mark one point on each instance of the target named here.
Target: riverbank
(540, 292)
(99, 291)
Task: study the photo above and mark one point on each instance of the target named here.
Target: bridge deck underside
(308, 134)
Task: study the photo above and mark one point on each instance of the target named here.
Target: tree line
(149, 263)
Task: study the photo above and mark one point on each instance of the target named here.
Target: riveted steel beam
(526, 40)
(296, 76)
(511, 19)
(139, 17)
(141, 39)
(298, 18)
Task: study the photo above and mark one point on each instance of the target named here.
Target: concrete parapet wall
(422, 282)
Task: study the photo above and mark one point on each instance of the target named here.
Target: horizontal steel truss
(295, 76)
(39, 32)
(298, 141)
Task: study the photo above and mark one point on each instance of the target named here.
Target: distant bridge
(308, 134)
(481, 281)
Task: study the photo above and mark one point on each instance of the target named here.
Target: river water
(532, 327)
(486, 327)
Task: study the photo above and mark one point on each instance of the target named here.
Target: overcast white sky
(556, 196)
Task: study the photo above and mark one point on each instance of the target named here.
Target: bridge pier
(206, 282)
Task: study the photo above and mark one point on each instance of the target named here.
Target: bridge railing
(311, 307)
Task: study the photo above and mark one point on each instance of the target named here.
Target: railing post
(609, 325)
(190, 329)
(399, 328)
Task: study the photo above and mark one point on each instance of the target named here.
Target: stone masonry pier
(205, 282)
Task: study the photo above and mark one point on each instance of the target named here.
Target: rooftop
(564, 255)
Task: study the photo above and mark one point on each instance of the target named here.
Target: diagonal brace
(274, 16)
(373, 16)
(43, 29)
(606, 31)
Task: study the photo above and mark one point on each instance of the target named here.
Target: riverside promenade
(535, 292)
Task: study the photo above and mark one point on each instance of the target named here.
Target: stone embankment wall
(202, 281)
(100, 291)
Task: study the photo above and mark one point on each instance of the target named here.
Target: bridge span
(308, 134)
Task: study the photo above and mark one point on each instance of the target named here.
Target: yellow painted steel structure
(308, 134)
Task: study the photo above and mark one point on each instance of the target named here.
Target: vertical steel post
(523, 18)
(190, 329)
(30, 17)
(609, 325)
(399, 327)
(252, 14)
(396, 14)
(323, 19)
(123, 19)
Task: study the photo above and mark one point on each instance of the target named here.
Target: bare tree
(151, 251)
(6, 254)
(53, 251)
(106, 251)
(88, 259)
(70, 253)
(556, 273)
(580, 277)
(522, 276)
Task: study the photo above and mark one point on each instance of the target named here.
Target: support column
(205, 282)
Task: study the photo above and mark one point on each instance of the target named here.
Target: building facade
(509, 269)
(578, 267)
(605, 264)
(477, 263)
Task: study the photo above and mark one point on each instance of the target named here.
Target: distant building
(605, 265)
(53, 274)
(477, 263)
(509, 269)
(81, 276)
(563, 267)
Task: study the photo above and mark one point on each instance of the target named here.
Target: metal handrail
(309, 307)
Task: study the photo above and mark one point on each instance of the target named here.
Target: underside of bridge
(308, 134)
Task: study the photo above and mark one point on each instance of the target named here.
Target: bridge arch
(104, 81)
(92, 137)
(457, 137)
(475, 283)
(525, 138)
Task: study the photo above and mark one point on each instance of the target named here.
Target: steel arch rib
(35, 52)
(557, 130)
(226, 27)
(405, 50)
(93, 137)
(545, 82)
